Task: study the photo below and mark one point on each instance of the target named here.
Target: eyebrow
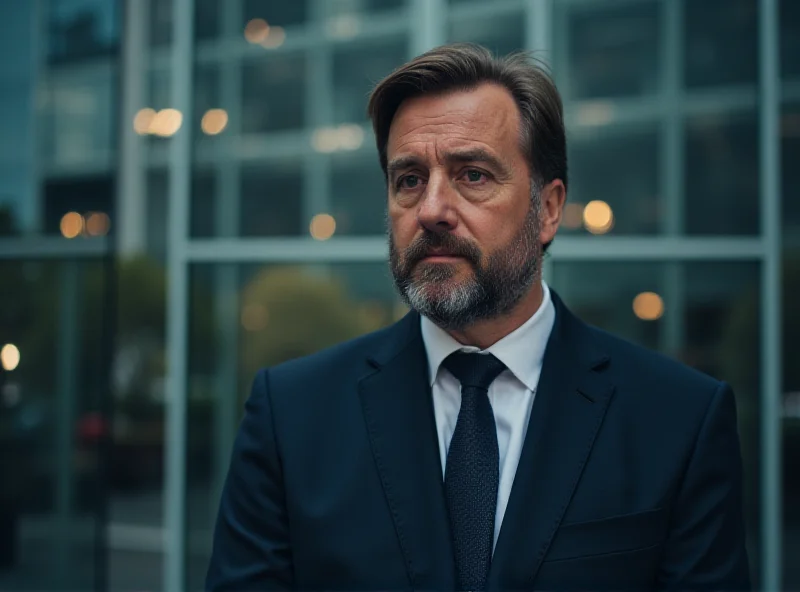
(461, 156)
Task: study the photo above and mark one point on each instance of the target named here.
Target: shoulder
(330, 370)
(656, 379)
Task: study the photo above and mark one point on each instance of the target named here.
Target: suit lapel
(398, 410)
(571, 401)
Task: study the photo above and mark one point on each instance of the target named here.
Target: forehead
(486, 116)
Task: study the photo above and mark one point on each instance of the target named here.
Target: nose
(436, 211)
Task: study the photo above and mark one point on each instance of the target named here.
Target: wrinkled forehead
(485, 116)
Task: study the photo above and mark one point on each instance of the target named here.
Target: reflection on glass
(501, 34)
(283, 14)
(789, 37)
(80, 29)
(54, 342)
(614, 182)
(273, 93)
(791, 342)
(356, 70)
(272, 200)
(721, 42)
(358, 194)
(613, 51)
(279, 313)
(722, 174)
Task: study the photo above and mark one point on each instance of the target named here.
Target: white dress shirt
(511, 394)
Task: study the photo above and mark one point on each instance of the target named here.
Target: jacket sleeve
(251, 549)
(705, 549)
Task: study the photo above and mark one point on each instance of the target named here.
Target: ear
(554, 194)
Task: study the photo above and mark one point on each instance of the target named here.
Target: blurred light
(275, 38)
(254, 317)
(256, 30)
(343, 27)
(648, 306)
(98, 224)
(71, 225)
(350, 137)
(344, 137)
(325, 140)
(573, 215)
(214, 121)
(9, 356)
(598, 217)
(322, 226)
(143, 120)
(595, 113)
(166, 123)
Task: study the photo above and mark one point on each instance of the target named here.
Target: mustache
(453, 245)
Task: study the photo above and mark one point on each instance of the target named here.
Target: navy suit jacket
(630, 475)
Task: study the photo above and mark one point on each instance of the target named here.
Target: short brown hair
(464, 66)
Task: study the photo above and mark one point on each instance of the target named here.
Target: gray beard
(497, 283)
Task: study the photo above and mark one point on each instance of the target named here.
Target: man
(489, 439)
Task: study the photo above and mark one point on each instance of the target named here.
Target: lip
(442, 258)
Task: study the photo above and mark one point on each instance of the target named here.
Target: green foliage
(301, 312)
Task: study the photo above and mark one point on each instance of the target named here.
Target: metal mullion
(177, 301)
(771, 375)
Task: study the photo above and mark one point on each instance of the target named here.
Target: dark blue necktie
(472, 472)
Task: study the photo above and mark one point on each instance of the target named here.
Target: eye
(474, 176)
(408, 182)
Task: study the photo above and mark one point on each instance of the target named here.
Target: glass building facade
(189, 191)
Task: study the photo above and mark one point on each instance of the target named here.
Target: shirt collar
(522, 350)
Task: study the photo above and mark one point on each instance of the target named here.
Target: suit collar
(572, 397)
(570, 404)
(521, 350)
(398, 412)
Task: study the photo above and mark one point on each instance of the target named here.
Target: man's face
(463, 219)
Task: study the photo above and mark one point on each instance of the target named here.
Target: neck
(486, 333)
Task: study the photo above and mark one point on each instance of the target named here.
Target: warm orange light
(9, 357)
(322, 226)
(143, 120)
(71, 225)
(214, 121)
(256, 30)
(648, 306)
(598, 217)
(166, 123)
(254, 317)
(275, 38)
(98, 224)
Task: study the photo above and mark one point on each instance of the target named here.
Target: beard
(495, 283)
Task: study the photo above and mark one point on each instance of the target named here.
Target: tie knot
(473, 369)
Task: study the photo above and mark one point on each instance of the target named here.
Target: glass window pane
(358, 194)
(273, 93)
(612, 51)
(721, 42)
(791, 345)
(722, 174)
(80, 29)
(617, 167)
(272, 200)
(707, 316)
(279, 312)
(790, 37)
(790, 152)
(502, 33)
(356, 70)
(54, 342)
(275, 12)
